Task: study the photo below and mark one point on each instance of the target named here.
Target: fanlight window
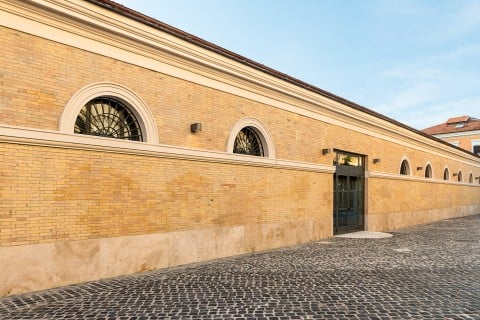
(108, 117)
(248, 142)
(405, 168)
(428, 171)
(446, 175)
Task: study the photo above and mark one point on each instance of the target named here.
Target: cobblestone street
(425, 272)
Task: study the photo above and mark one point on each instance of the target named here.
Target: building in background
(463, 132)
(128, 145)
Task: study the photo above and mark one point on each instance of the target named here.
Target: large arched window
(405, 168)
(428, 171)
(250, 137)
(108, 117)
(446, 174)
(248, 142)
(109, 110)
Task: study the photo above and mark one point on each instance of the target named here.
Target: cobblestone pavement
(425, 272)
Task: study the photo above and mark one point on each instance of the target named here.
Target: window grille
(108, 117)
(428, 172)
(248, 142)
(405, 168)
(446, 175)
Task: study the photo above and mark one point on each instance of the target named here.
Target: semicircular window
(108, 117)
(248, 142)
(428, 171)
(405, 168)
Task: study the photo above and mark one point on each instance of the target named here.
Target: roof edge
(156, 24)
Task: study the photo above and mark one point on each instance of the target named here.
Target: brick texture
(53, 194)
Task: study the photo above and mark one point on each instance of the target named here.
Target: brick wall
(53, 194)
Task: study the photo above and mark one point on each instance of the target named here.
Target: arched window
(109, 110)
(405, 168)
(248, 142)
(460, 177)
(428, 171)
(446, 174)
(250, 137)
(470, 178)
(108, 117)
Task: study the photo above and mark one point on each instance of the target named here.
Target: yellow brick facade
(52, 194)
(130, 207)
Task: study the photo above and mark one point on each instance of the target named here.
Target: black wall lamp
(195, 127)
(419, 168)
(326, 151)
(376, 160)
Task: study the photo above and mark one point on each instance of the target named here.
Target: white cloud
(413, 72)
(415, 95)
(460, 52)
(434, 114)
(465, 19)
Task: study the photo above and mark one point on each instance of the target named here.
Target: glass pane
(248, 142)
(108, 117)
(348, 159)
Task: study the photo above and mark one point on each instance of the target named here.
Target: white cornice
(475, 133)
(391, 176)
(55, 139)
(86, 26)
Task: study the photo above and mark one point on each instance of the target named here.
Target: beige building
(463, 132)
(127, 145)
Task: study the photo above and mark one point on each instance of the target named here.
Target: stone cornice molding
(391, 176)
(89, 27)
(55, 139)
(475, 133)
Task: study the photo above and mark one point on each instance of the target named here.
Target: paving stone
(424, 272)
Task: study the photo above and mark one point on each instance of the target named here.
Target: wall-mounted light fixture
(376, 160)
(455, 174)
(419, 168)
(477, 178)
(195, 127)
(326, 151)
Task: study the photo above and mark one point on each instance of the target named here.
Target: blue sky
(415, 61)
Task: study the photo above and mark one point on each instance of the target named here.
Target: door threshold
(365, 235)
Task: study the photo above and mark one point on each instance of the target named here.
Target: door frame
(357, 170)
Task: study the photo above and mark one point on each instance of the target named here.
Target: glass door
(348, 208)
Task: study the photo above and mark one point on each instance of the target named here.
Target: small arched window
(250, 137)
(470, 178)
(428, 171)
(460, 177)
(446, 174)
(248, 142)
(405, 168)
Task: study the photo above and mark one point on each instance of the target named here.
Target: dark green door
(348, 207)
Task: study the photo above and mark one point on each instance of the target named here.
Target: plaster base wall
(382, 221)
(40, 266)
